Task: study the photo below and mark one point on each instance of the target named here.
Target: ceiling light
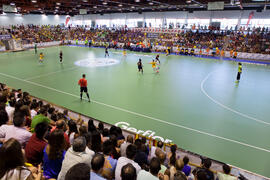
(150, 3)
(104, 3)
(137, 0)
(58, 4)
(120, 5)
(12, 4)
(188, 1)
(132, 7)
(34, 1)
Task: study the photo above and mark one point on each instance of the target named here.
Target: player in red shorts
(83, 84)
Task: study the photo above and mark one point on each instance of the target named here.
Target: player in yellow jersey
(124, 52)
(41, 57)
(239, 72)
(154, 65)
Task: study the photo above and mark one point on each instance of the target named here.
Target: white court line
(226, 107)
(43, 75)
(142, 115)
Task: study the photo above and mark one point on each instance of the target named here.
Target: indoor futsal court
(193, 102)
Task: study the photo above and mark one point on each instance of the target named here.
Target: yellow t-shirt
(153, 64)
(240, 68)
(41, 56)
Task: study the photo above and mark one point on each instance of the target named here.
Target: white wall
(12, 19)
(180, 15)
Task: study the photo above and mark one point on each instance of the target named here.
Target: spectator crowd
(40, 142)
(255, 40)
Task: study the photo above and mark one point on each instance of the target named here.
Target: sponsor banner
(147, 133)
(5, 37)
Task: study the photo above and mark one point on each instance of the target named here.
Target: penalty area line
(44, 75)
(142, 115)
(226, 107)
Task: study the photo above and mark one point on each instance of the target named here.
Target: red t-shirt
(34, 150)
(82, 82)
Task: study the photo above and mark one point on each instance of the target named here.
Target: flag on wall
(250, 17)
(67, 20)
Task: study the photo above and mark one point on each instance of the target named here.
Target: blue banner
(5, 37)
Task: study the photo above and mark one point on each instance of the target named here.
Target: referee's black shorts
(84, 89)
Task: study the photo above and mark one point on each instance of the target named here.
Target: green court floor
(194, 102)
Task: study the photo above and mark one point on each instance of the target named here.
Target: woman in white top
(12, 164)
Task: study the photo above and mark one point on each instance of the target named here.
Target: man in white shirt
(10, 109)
(34, 109)
(153, 149)
(154, 169)
(226, 175)
(78, 153)
(16, 131)
(124, 146)
(122, 161)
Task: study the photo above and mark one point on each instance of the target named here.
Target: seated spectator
(82, 130)
(54, 154)
(172, 155)
(161, 156)
(96, 142)
(179, 165)
(154, 169)
(76, 154)
(36, 144)
(115, 149)
(205, 166)
(179, 176)
(79, 171)
(41, 117)
(226, 173)
(105, 134)
(12, 164)
(97, 164)
(186, 168)
(66, 115)
(140, 157)
(200, 175)
(128, 172)
(153, 149)
(110, 162)
(34, 109)
(16, 130)
(100, 127)
(145, 143)
(61, 125)
(10, 109)
(124, 145)
(72, 131)
(130, 152)
(91, 126)
(3, 117)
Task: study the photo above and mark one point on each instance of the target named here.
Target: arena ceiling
(72, 7)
